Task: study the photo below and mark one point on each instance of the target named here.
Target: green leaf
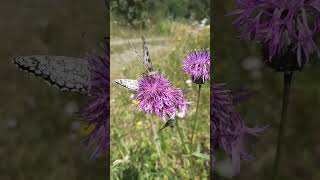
(201, 156)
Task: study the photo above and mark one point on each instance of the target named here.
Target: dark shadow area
(239, 63)
(41, 135)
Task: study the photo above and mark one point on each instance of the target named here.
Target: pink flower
(197, 65)
(156, 95)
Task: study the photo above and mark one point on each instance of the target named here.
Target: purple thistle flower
(156, 95)
(197, 65)
(96, 112)
(221, 108)
(283, 27)
(227, 127)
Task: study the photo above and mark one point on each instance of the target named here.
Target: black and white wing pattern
(133, 84)
(146, 56)
(64, 73)
(129, 84)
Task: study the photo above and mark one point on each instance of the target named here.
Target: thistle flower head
(228, 130)
(283, 27)
(221, 108)
(96, 112)
(197, 65)
(156, 95)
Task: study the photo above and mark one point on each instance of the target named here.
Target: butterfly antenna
(135, 50)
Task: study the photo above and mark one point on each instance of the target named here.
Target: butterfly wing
(129, 84)
(64, 73)
(146, 56)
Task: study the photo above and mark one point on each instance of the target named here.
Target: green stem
(157, 142)
(195, 118)
(181, 137)
(184, 146)
(156, 139)
(285, 102)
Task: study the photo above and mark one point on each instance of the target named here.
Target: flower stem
(181, 137)
(285, 102)
(157, 142)
(184, 146)
(195, 119)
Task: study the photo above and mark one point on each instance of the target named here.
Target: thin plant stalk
(195, 118)
(285, 103)
(156, 140)
(181, 137)
(186, 150)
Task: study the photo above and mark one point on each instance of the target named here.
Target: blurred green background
(238, 63)
(40, 136)
(171, 28)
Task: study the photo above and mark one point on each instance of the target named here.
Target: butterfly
(64, 73)
(131, 84)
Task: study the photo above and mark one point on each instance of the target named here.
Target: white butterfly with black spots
(64, 73)
(131, 84)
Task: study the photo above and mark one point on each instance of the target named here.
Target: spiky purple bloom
(227, 127)
(221, 109)
(283, 27)
(156, 95)
(96, 113)
(197, 65)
